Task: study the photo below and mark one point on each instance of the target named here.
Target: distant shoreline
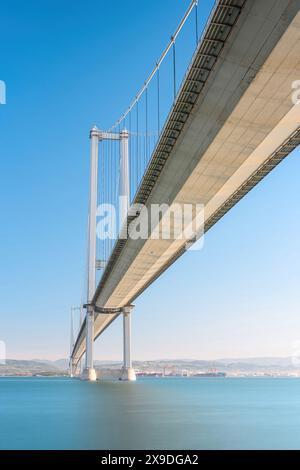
(231, 377)
(239, 368)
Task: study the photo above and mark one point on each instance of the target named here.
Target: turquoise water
(51, 413)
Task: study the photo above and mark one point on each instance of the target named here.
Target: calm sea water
(51, 413)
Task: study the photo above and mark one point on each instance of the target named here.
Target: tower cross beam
(107, 135)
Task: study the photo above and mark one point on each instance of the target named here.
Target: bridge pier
(89, 372)
(71, 369)
(128, 373)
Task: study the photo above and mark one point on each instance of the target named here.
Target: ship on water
(210, 373)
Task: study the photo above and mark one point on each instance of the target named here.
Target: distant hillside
(61, 364)
(260, 361)
(230, 366)
(28, 368)
(246, 366)
(227, 365)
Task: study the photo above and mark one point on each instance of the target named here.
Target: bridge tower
(89, 372)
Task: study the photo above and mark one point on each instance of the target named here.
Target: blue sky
(68, 65)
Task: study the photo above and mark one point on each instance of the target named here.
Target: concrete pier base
(128, 375)
(89, 374)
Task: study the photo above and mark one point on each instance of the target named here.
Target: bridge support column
(71, 364)
(72, 369)
(89, 372)
(128, 372)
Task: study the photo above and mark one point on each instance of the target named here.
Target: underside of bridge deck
(220, 140)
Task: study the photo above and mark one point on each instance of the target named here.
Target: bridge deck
(221, 138)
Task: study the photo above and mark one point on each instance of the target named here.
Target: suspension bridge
(201, 131)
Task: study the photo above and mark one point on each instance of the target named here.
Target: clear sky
(68, 65)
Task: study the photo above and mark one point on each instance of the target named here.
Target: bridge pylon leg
(128, 373)
(89, 372)
(124, 188)
(71, 368)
